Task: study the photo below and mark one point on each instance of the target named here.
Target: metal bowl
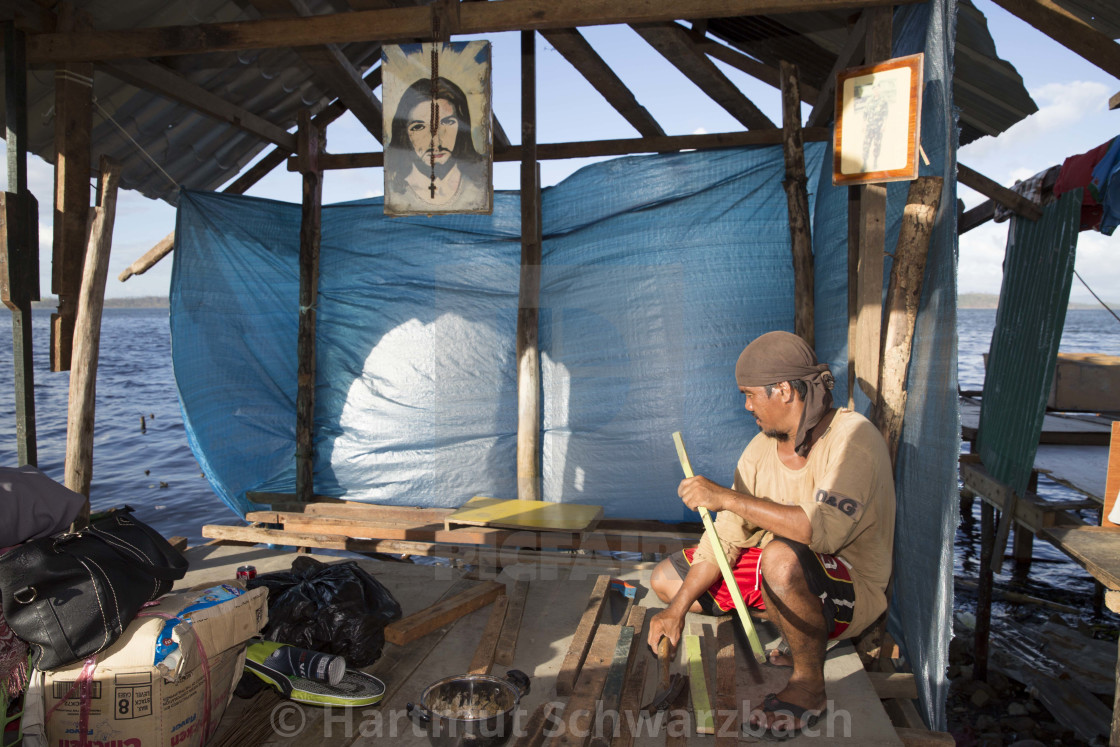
(470, 710)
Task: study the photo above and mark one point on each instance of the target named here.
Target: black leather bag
(72, 595)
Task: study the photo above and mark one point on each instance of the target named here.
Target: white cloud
(1071, 118)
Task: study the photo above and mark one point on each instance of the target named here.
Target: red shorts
(826, 575)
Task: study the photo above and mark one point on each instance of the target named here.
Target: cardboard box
(1086, 382)
(136, 703)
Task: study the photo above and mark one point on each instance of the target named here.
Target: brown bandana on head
(781, 356)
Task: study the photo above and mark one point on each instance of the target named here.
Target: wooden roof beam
(986, 210)
(1114, 102)
(677, 46)
(851, 54)
(1001, 194)
(597, 148)
(331, 67)
(579, 52)
(752, 67)
(153, 77)
(399, 24)
(254, 174)
(1069, 31)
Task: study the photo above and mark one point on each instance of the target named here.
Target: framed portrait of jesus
(438, 132)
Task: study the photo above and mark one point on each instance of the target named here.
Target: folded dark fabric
(33, 505)
(72, 595)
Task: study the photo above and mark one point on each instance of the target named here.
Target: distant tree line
(134, 302)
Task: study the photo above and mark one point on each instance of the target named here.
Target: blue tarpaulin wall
(656, 271)
(648, 293)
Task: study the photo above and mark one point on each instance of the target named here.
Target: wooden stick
(87, 339)
(581, 640)
(989, 188)
(797, 200)
(631, 701)
(721, 559)
(727, 701)
(408, 629)
(698, 685)
(528, 353)
(903, 294)
(399, 25)
(507, 640)
(597, 148)
(579, 714)
(483, 658)
(311, 144)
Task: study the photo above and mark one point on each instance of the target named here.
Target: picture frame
(448, 167)
(878, 122)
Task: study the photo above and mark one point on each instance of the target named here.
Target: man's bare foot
(789, 711)
(779, 659)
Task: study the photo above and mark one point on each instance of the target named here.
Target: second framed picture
(878, 121)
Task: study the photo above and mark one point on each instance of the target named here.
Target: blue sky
(1073, 117)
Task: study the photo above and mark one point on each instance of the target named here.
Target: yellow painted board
(698, 684)
(515, 514)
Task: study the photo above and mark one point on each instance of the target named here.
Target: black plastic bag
(336, 608)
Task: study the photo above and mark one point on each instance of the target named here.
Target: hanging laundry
(1105, 186)
(1029, 188)
(1077, 172)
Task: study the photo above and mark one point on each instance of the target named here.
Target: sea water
(141, 457)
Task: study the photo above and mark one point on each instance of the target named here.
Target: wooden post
(73, 119)
(1023, 546)
(528, 354)
(872, 238)
(87, 338)
(853, 285)
(983, 596)
(19, 260)
(311, 144)
(797, 198)
(903, 295)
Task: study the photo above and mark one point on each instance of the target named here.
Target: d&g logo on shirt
(849, 506)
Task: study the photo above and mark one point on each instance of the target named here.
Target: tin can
(246, 573)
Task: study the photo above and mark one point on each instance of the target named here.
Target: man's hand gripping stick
(721, 559)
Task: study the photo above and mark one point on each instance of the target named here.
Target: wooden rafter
(400, 24)
(1001, 194)
(153, 77)
(598, 148)
(677, 46)
(255, 173)
(752, 67)
(850, 54)
(1069, 31)
(576, 50)
(331, 67)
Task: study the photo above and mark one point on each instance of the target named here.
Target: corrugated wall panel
(1038, 270)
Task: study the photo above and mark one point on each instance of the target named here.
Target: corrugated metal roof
(191, 149)
(197, 151)
(988, 91)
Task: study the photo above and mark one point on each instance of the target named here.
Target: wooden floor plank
(579, 713)
(484, 653)
(507, 641)
(414, 626)
(581, 641)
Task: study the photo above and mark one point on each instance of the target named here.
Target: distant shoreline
(964, 301)
(137, 302)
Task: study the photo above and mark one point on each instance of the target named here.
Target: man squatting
(808, 526)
